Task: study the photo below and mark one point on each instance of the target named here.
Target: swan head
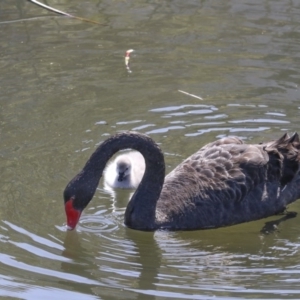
(76, 198)
(123, 168)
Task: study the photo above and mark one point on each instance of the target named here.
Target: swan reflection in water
(120, 266)
(130, 264)
(226, 182)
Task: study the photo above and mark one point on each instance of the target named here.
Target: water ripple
(33, 236)
(12, 262)
(28, 291)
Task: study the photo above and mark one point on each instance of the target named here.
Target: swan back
(228, 182)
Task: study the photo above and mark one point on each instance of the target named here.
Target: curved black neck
(140, 212)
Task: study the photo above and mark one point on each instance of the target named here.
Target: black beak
(121, 176)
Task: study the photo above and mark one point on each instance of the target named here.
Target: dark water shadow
(273, 226)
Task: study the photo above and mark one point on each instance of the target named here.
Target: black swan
(126, 171)
(226, 182)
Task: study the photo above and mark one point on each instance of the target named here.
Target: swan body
(126, 171)
(226, 182)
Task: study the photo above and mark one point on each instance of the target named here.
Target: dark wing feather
(230, 181)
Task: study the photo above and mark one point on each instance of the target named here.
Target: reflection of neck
(148, 257)
(79, 265)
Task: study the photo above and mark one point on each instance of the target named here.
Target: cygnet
(125, 171)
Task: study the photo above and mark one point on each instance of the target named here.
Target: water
(64, 89)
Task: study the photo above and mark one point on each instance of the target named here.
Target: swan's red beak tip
(72, 213)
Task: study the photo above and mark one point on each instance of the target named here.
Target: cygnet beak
(121, 176)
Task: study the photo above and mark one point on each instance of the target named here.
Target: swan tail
(284, 155)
